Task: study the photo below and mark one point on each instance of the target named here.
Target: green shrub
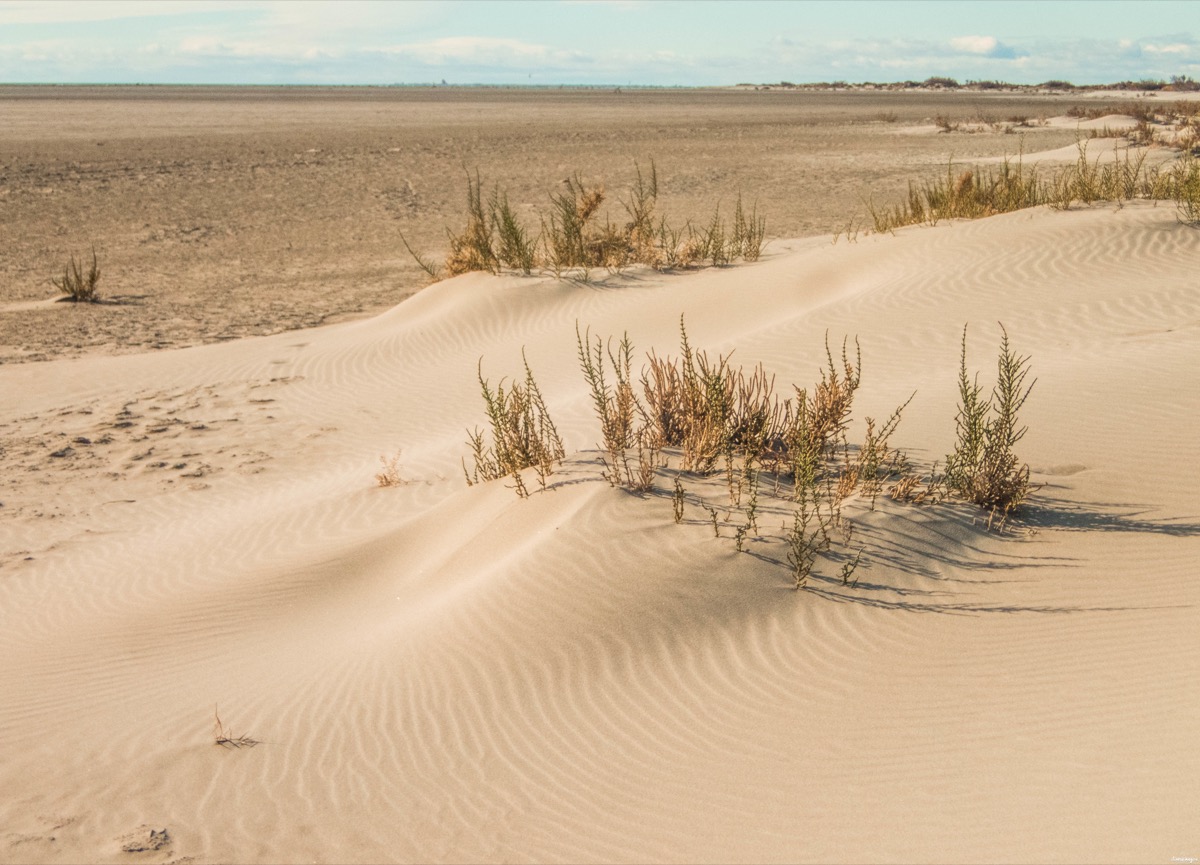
(983, 467)
(523, 435)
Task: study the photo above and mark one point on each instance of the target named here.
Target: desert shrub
(516, 249)
(748, 232)
(640, 205)
(79, 286)
(567, 242)
(576, 235)
(522, 433)
(472, 249)
(616, 405)
(983, 467)
(969, 194)
(963, 194)
(1184, 183)
(697, 413)
(689, 404)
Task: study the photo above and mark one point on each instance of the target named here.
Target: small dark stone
(144, 839)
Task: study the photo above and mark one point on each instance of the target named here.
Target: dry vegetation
(77, 285)
(705, 421)
(983, 467)
(389, 474)
(575, 235)
(969, 194)
(226, 738)
(522, 434)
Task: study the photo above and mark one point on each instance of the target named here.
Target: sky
(594, 42)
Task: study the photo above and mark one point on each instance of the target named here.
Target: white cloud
(67, 11)
(483, 50)
(1175, 48)
(974, 44)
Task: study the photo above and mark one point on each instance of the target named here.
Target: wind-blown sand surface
(444, 673)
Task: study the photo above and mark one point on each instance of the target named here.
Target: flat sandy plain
(190, 524)
(219, 213)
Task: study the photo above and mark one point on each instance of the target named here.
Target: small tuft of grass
(432, 268)
(226, 738)
(79, 286)
(389, 475)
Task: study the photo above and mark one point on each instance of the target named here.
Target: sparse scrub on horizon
(79, 285)
(972, 193)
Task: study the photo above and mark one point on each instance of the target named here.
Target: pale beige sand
(443, 673)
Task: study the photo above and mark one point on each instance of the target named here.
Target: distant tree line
(1177, 83)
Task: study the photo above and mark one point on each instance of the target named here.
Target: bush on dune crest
(970, 194)
(572, 239)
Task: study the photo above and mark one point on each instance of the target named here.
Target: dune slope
(444, 673)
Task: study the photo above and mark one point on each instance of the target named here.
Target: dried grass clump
(522, 433)
(77, 285)
(389, 475)
(576, 236)
(471, 249)
(962, 195)
(968, 194)
(226, 738)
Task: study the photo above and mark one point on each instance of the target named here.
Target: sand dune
(444, 673)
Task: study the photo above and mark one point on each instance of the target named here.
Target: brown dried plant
(226, 738)
(575, 235)
(389, 475)
(79, 286)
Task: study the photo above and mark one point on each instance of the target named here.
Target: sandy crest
(443, 673)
